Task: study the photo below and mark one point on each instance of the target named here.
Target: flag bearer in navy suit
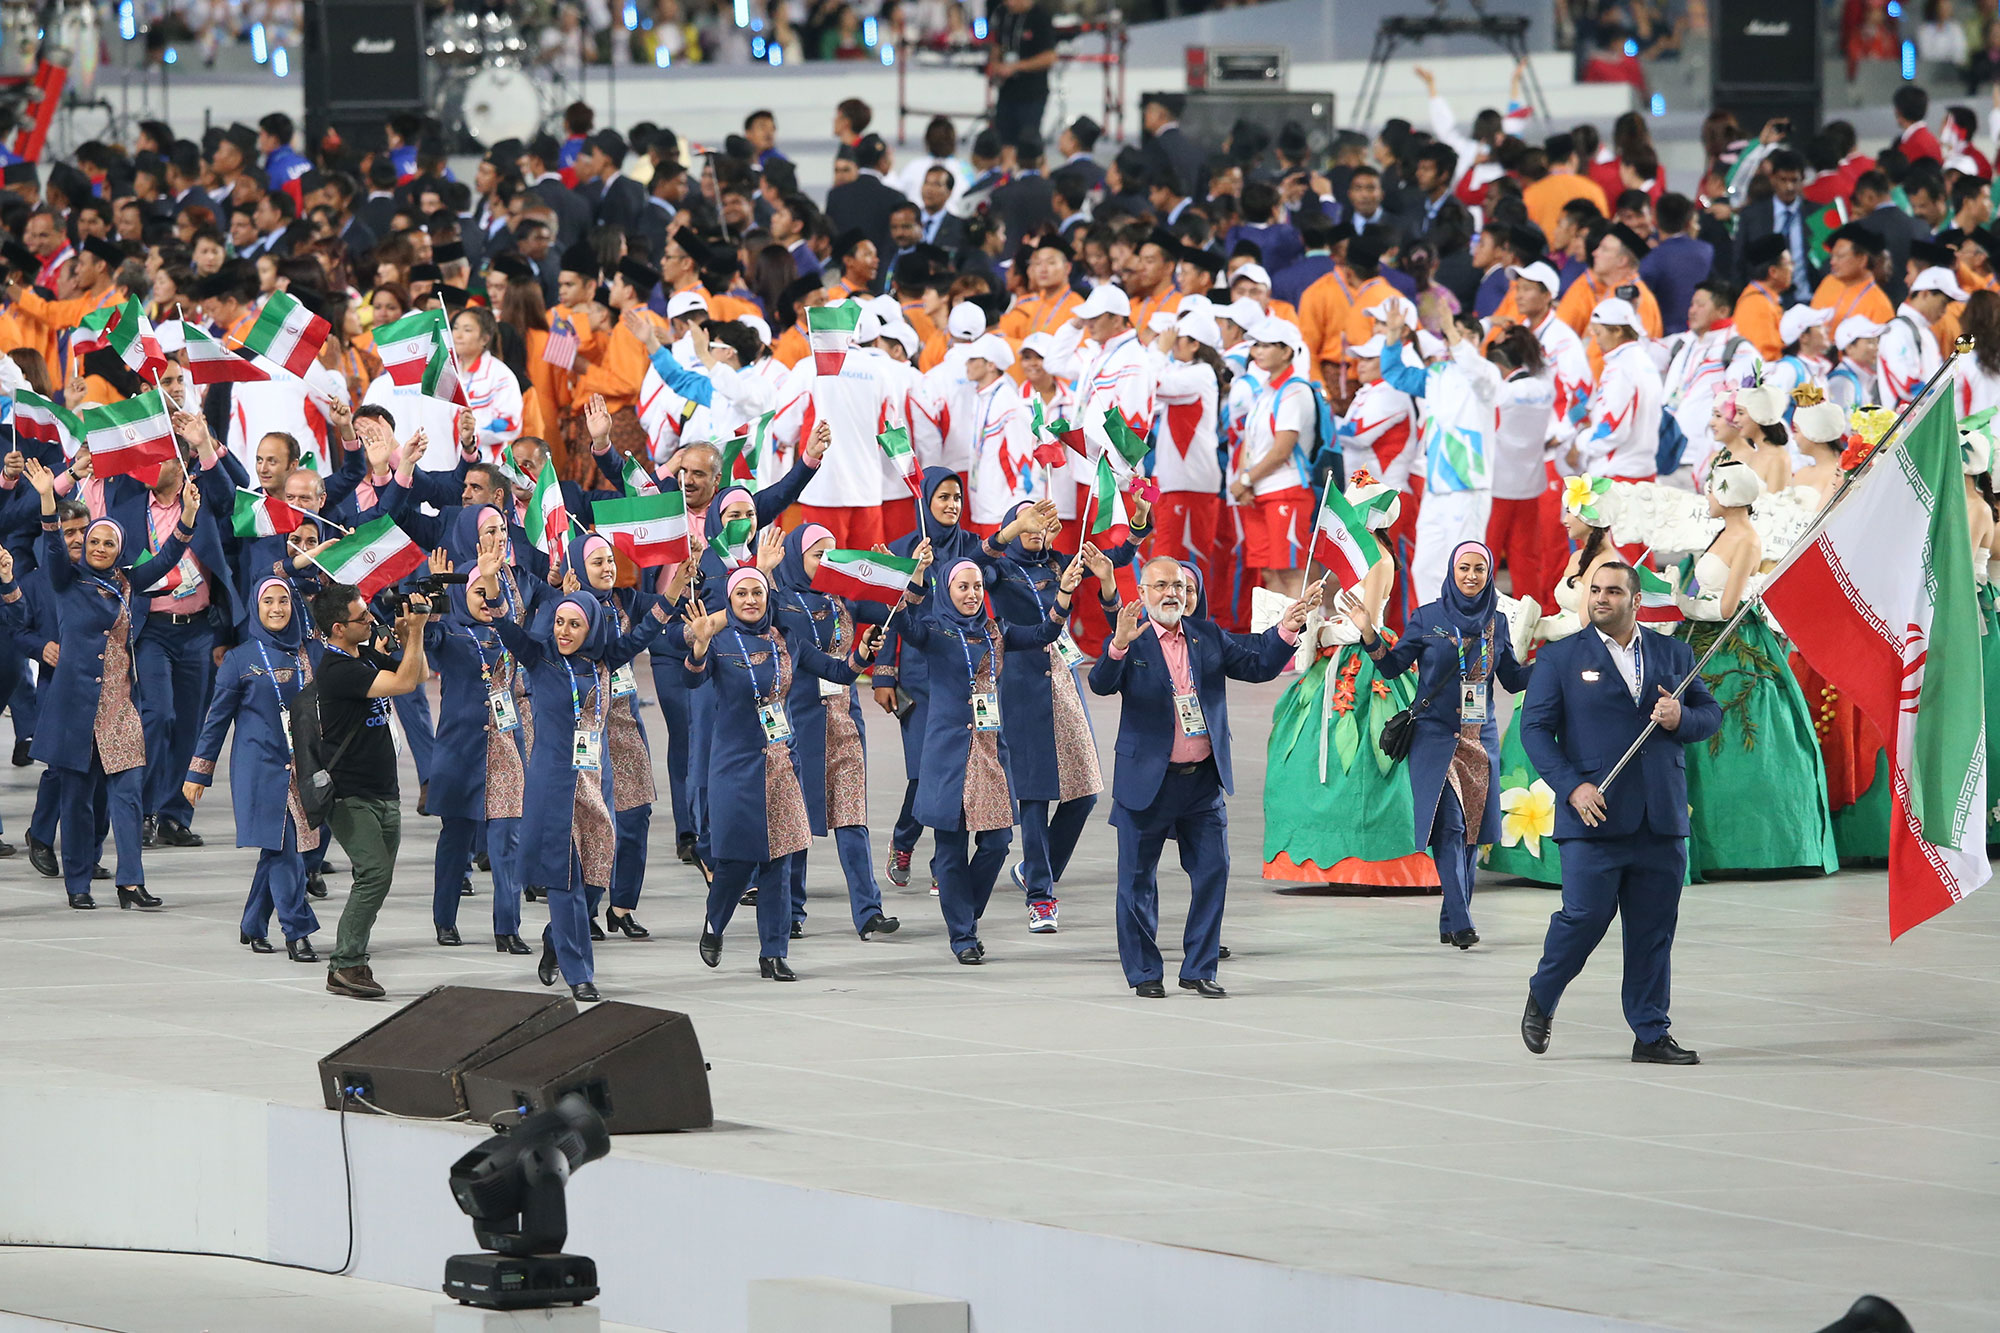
(1173, 763)
(1624, 850)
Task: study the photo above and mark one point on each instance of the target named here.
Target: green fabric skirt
(1757, 788)
(1527, 848)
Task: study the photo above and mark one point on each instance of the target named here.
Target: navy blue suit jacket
(1578, 718)
(1147, 721)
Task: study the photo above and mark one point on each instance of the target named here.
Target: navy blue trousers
(1456, 863)
(1639, 879)
(279, 884)
(413, 710)
(569, 924)
(857, 864)
(176, 664)
(48, 804)
(628, 866)
(1189, 809)
(774, 912)
(670, 683)
(965, 884)
(1048, 843)
(84, 796)
(454, 849)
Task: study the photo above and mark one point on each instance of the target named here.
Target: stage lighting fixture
(511, 1186)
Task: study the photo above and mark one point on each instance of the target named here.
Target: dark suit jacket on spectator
(1023, 203)
(572, 212)
(622, 204)
(1897, 229)
(1189, 160)
(864, 204)
(1758, 219)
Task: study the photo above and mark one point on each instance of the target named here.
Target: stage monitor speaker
(640, 1068)
(412, 1062)
(1767, 52)
(1208, 117)
(363, 63)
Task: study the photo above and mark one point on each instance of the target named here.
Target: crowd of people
(1075, 420)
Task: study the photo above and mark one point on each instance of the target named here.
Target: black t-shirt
(367, 768)
(1024, 36)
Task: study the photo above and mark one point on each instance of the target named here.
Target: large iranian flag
(127, 436)
(830, 333)
(288, 333)
(1870, 610)
(377, 554)
(648, 530)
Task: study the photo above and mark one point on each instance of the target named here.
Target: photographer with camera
(357, 678)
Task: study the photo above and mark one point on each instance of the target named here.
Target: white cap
(1963, 165)
(1373, 347)
(867, 328)
(1041, 344)
(1798, 319)
(966, 322)
(886, 308)
(1159, 319)
(682, 304)
(1192, 301)
(991, 347)
(1271, 329)
(1105, 299)
(901, 331)
(1431, 347)
(1256, 273)
(1200, 325)
(1938, 280)
(756, 325)
(1242, 312)
(1380, 310)
(1855, 327)
(1538, 272)
(1617, 313)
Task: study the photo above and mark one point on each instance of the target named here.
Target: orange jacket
(622, 370)
(1852, 298)
(1757, 316)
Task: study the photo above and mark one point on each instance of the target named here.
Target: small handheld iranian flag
(1109, 521)
(902, 459)
(864, 576)
(633, 477)
(91, 331)
(548, 513)
(646, 529)
(405, 346)
(735, 539)
(749, 447)
(1656, 597)
(130, 334)
(377, 554)
(125, 437)
(260, 515)
(36, 418)
(1131, 445)
(441, 378)
(830, 332)
(209, 362)
(288, 333)
(1342, 543)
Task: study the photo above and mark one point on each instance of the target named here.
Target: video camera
(430, 591)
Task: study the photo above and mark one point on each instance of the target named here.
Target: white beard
(1166, 617)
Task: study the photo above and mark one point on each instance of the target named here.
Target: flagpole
(319, 519)
(1806, 539)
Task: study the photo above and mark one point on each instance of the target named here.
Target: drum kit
(487, 82)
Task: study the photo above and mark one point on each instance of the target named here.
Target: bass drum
(502, 102)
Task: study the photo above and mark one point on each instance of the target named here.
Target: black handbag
(1401, 729)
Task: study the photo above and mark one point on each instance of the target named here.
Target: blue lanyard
(756, 691)
(271, 672)
(965, 647)
(116, 589)
(805, 609)
(1485, 654)
(376, 707)
(575, 699)
(485, 668)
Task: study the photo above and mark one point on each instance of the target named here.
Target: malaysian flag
(560, 349)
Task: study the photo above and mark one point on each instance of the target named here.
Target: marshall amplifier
(1767, 59)
(363, 63)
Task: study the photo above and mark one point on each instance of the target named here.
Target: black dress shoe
(484, 864)
(6, 848)
(1444, 937)
(149, 831)
(99, 872)
(257, 943)
(1466, 938)
(1222, 951)
(83, 902)
(137, 897)
(316, 886)
(510, 944)
(711, 948)
(21, 758)
(775, 969)
(43, 858)
(1665, 1051)
(798, 930)
(596, 931)
(532, 894)
(684, 848)
(1205, 988)
(465, 886)
(881, 925)
(626, 925)
(585, 993)
(545, 970)
(300, 950)
(980, 949)
(1534, 1026)
(176, 834)
(1150, 990)
(749, 898)
(971, 957)
(448, 935)
(423, 798)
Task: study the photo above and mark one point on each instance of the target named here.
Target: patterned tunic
(121, 741)
(506, 776)
(1077, 774)
(1471, 769)
(846, 757)
(591, 830)
(787, 828)
(631, 761)
(988, 801)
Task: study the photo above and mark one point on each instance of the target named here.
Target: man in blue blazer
(1624, 851)
(1173, 763)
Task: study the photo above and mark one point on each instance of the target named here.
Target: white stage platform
(1355, 1140)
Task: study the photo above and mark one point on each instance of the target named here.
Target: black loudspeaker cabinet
(1208, 116)
(641, 1068)
(363, 63)
(413, 1061)
(1766, 43)
(1754, 106)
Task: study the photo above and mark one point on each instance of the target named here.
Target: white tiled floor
(1362, 1104)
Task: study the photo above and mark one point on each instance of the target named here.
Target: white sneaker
(1042, 918)
(1020, 879)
